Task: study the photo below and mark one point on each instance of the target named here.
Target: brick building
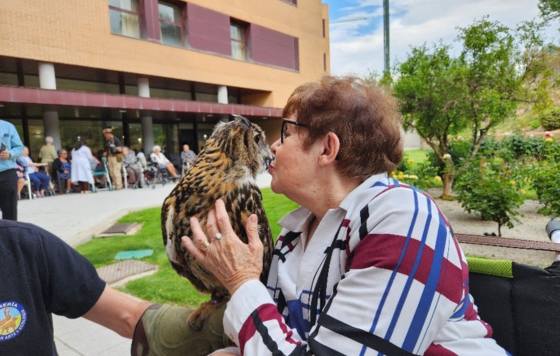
(158, 72)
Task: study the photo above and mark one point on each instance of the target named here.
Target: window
(324, 29)
(238, 34)
(324, 61)
(124, 17)
(171, 24)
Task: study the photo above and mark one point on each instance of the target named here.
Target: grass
(165, 286)
(416, 155)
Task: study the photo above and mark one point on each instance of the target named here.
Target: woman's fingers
(199, 238)
(188, 244)
(252, 229)
(222, 218)
(211, 225)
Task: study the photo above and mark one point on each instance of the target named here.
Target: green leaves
(492, 188)
(550, 9)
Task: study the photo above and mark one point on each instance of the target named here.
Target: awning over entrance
(21, 95)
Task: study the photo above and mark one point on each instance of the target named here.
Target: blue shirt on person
(10, 141)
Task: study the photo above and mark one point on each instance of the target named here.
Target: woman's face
(293, 167)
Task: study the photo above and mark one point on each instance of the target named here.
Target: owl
(226, 168)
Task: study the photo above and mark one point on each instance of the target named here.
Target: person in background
(133, 167)
(163, 163)
(142, 159)
(47, 153)
(188, 157)
(40, 180)
(81, 167)
(61, 172)
(21, 180)
(113, 149)
(11, 148)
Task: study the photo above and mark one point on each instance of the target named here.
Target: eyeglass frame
(285, 123)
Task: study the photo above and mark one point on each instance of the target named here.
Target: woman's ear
(331, 147)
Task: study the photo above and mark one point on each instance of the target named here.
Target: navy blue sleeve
(72, 285)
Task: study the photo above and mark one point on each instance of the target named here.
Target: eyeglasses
(285, 123)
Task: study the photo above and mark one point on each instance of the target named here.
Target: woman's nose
(274, 146)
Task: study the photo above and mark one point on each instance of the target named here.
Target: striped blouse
(382, 275)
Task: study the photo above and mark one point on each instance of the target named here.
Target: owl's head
(244, 143)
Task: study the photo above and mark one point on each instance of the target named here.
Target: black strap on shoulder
(361, 336)
(320, 290)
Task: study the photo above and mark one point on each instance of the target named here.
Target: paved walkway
(75, 218)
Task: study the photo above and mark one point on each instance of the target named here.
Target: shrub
(423, 176)
(491, 188)
(551, 151)
(524, 147)
(546, 182)
(490, 146)
(550, 119)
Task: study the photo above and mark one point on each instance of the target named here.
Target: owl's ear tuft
(243, 120)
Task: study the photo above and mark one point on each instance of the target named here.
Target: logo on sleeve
(12, 320)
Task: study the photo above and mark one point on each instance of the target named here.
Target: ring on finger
(204, 245)
(218, 236)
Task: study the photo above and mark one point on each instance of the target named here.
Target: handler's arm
(117, 311)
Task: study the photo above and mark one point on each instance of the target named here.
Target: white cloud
(413, 23)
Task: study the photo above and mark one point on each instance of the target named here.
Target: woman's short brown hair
(363, 117)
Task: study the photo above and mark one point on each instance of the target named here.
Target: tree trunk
(499, 230)
(447, 186)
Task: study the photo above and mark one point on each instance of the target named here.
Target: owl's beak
(268, 161)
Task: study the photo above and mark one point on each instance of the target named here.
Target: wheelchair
(154, 175)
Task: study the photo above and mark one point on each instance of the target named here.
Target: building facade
(158, 72)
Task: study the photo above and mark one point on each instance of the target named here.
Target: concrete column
(146, 120)
(47, 77)
(144, 87)
(147, 134)
(223, 95)
(47, 80)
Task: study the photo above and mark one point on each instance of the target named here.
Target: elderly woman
(366, 265)
(163, 163)
(40, 180)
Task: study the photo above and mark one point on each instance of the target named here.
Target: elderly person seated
(163, 163)
(366, 265)
(134, 171)
(188, 157)
(39, 179)
(61, 171)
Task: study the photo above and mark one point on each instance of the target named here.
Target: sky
(356, 30)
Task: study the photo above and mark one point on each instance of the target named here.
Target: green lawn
(165, 286)
(416, 155)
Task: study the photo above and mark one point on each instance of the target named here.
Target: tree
(550, 9)
(492, 79)
(430, 90)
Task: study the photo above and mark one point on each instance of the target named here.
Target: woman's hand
(224, 255)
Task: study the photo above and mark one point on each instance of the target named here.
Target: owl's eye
(257, 138)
